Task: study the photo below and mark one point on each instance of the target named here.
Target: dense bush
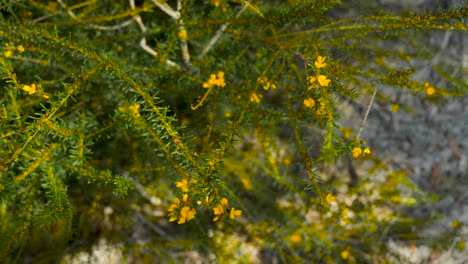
(205, 130)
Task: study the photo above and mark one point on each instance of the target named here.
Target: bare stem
(363, 123)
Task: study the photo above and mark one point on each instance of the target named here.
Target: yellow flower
(186, 214)
(20, 48)
(255, 97)
(367, 151)
(356, 152)
(234, 213)
(215, 80)
(266, 84)
(183, 34)
(312, 79)
(429, 89)
(323, 81)
(45, 95)
(30, 89)
(295, 238)
(220, 209)
(174, 206)
(395, 108)
(345, 254)
(319, 63)
(330, 198)
(8, 53)
(183, 185)
(309, 102)
(134, 108)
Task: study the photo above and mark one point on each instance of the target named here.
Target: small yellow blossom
(312, 79)
(216, 2)
(220, 209)
(215, 80)
(20, 48)
(255, 97)
(345, 254)
(266, 84)
(186, 214)
(295, 238)
(367, 151)
(234, 213)
(183, 34)
(183, 185)
(30, 89)
(356, 152)
(174, 206)
(134, 108)
(430, 91)
(330, 198)
(309, 102)
(395, 108)
(45, 95)
(320, 62)
(323, 81)
(8, 53)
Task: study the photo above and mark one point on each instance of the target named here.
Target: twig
(167, 9)
(220, 31)
(116, 27)
(143, 29)
(183, 43)
(70, 13)
(363, 123)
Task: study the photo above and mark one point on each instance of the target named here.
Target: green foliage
(121, 118)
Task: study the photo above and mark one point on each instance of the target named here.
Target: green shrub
(175, 127)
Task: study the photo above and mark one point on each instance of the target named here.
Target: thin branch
(143, 44)
(220, 31)
(363, 123)
(116, 27)
(183, 43)
(167, 9)
(70, 13)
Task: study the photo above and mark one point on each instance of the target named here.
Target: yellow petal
(330, 198)
(323, 81)
(356, 152)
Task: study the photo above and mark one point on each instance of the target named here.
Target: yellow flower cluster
(266, 84)
(221, 210)
(180, 210)
(183, 34)
(11, 49)
(215, 80)
(358, 151)
(255, 97)
(321, 79)
(309, 102)
(133, 109)
(183, 184)
(33, 88)
(429, 89)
